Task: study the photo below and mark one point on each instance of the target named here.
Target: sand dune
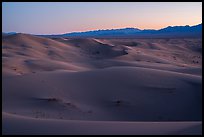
(14, 124)
(127, 94)
(101, 86)
(81, 52)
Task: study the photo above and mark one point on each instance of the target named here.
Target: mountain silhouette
(170, 31)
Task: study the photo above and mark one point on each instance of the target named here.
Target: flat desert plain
(101, 86)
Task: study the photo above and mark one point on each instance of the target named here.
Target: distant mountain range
(170, 31)
(9, 33)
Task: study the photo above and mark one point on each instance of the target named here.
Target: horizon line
(100, 29)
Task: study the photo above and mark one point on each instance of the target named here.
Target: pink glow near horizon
(53, 18)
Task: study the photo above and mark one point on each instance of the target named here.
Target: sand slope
(14, 124)
(101, 86)
(126, 93)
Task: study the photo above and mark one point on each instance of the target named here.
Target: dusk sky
(63, 17)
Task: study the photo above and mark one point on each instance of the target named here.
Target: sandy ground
(101, 86)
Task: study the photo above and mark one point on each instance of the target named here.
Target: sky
(64, 17)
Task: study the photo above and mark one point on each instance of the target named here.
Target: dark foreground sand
(101, 86)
